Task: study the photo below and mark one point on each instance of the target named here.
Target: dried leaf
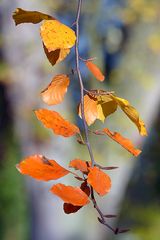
(58, 124)
(99, 180)
(56, 35)
(124, 142)
(57, 55)
(69, 194)
(22, 16)
(56, 90)
(132, 113)
(79, 164)
(95, 70)
(70, 208)
(41, 168)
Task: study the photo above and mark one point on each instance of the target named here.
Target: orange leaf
(54, 121)
(41, 168)
(99, 180)
(56, 90)
(69, 194)
(70, 208)
(56, 35)
(124, 142)
(90, 109)
(78, 164)
(95, 70)
(23, 16)
(57, 55)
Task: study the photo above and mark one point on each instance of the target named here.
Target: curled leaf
(95, 70)
(41, 168)
(58, 124)
(22, 16)
(69, 194)
(56, 35)
(124, 142)
(79, 164)
(99, 180)
(56, 90)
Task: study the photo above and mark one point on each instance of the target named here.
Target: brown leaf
(99, 180)
(69, 194)
(124, 142)
(58, 124)
(41, 168)
(54, 93)
(79, 164)
(22, 16)
(95, 70)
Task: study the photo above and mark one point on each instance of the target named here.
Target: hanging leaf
(79, 164)
(132, 113)
(58, 124)
(124, 142)
(95, 70)
(56, 90)
(41, 168)
(56, 35)
(69, 194)
(22, 16)
(70, 208)
(99, 180)
(57, 55)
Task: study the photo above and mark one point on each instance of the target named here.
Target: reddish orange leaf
(58, 124)
(79, 164)
(124, 142)
(99, 180)
(56, 90)
(95, 70)
(41, 168)
(69, 194)
(69, 208)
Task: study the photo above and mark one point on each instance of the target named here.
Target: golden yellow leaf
(56, 90)
(22, 16)
(57, 55)
(132, 113)
(56, 35)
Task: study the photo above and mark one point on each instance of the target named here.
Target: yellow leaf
(56, 90)
(132, 113)
(23, 16)
(56, 35)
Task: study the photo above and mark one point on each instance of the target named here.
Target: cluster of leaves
(57, 40)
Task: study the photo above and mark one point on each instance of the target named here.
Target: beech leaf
(124, 142)
(22, 16)
(41, 168)
(54, 93)
(79, 164)
(69, 194)
(95, 71)
(58, 124)
(99, 180)
(55, 35)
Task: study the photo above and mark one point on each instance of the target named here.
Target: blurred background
(124, 36)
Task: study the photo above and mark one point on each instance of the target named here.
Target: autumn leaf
(22, 16)
(54, 93)
(70, 208)
(58, 124)
(79, 164)
(41, 168)
(69, 194)
(132, 113)
(56, 35)
(57, 55)
(124, 142)
(95, 70)
(99, 180)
